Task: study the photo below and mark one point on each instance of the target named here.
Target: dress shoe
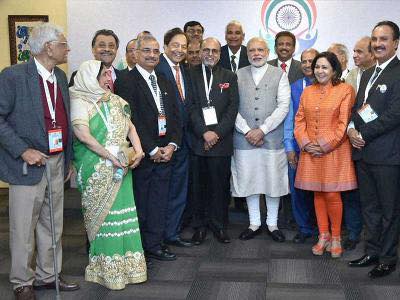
(222, 236)
(249, 233)
(276, 235)
(24, 293)
(350, 244)
(364, 261)
(381, 270)
(300, 238)
(164, 247)
(179, 243)
(64, 286)
(161, 255)
(199, 236)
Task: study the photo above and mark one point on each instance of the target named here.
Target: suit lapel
(382, 77)
(36, 95)
(145, 88)
(243, 57)
(199, 81)
(64, 92)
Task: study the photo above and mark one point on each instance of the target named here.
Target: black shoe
(222, 236)
(381, 270)
(164, 247)
(248, 234)
(350, 244)
(161, 255)
(199, 236)
(179, 243)
(24, 293)
(276, 235)
(364, 261)
(64, 286)
(300, 238)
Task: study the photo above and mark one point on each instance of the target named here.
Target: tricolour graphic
(299, 17)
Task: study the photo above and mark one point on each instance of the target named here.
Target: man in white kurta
(259, 163)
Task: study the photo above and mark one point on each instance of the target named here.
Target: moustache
(151, 59)
(106, 53)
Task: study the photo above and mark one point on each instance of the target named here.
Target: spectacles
(148, 51)
(60, 42)
(208, 51)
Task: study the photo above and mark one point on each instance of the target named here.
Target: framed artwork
(19, 29)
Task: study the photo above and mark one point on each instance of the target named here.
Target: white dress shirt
(173, 65)
(237, 57)
(288, 63)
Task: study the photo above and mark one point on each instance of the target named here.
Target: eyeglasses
(148, 51)
(208, 51)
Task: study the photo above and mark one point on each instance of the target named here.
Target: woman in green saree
(102, 123)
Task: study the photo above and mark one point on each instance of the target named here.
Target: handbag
(126, 156)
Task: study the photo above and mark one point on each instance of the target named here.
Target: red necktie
(110, 81)
(178, 82)
(283, 66)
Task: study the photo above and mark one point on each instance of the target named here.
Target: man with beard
(175, 47)
(105, 45)
(234, 54)
(215, 106)
(259, 164)
(302, 201)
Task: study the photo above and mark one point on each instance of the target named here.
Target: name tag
(162, 125)
(55, 140)
(367, 113)
(210, 115)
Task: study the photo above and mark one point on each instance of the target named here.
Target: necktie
(110, 81)
(178, 82)
(154, 86)
(376, 74)
(283, 66)
(233, 63)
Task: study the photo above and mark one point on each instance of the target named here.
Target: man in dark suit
(175, 47)
(215, 107)
(156, 117)
(234, 54)
(105, 45)
(374, 132)
(285, 45)
(130, 55)
(34, 121)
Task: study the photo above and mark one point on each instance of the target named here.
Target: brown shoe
(24, 293)
(64, 286)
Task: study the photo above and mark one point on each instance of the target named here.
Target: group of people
(172, 137)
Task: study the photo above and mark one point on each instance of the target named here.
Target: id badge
(367, 113)
(55, 140)
(162, 125)
(210, 115)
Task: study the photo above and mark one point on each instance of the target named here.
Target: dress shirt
(129, 68)
(237, 57)
(113, 75)
(172, 65)
(46, 75)
(344, 74)
(272, 121)
(359, 74)
(288, 63)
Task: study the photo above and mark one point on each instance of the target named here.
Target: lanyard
(106, 118)
(52, 109)
(207, 87)
(370, 84)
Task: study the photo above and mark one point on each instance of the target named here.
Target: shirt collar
(385, 64)
(288, 63)
(237, 54)
(144, 72)
(259, 70)
(46, 75)
(171, 64)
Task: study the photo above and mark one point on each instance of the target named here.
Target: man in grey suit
(35, 130)
(285, 45)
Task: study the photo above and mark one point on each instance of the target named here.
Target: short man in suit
(234, 54)
(342, 53)
(156, 117)
(194, 31)
(259, 164)
(170, 66)
(215, 106)
(105, 45)
(302, 201)
(193, 54)
(285, 45)
(130, 54)
(35, 131)
(374, 132)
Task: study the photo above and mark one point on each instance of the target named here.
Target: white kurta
(262, 171)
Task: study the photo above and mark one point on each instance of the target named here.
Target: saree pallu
(116, 255)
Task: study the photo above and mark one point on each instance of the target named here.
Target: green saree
(116, 255)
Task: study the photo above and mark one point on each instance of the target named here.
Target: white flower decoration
(382, 88)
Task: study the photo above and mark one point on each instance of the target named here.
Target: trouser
(352, 214)
(329, 209)
(253, 205)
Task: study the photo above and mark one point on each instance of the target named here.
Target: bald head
(210, 51)
(362, 53)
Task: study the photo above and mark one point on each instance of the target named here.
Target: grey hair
(234, 22)
(258, 39)
(143, 38)
(342, 49)
(42, 34)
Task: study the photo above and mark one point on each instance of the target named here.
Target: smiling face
(193, 54)
(362, 55)
(104, 79)
(176, 49)
(148, 55)
(234, 36)
(323, 71)
(210, 52)
(257, 52)
(306, 60)
(383, 44)
(105, 49)
(284, 48)
(194, 33)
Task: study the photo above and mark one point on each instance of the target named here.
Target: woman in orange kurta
(325, 165)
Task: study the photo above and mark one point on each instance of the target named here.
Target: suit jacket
(225, 60)
(71, 81)
(133, 88)
(22, 121)
(351, 78)
(226, 103)
(382, 135)
(295, 72)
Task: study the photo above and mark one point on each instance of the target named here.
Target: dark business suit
(178, 189)
(225, 60)
(215, 163)
(295, 72)
(378, 162)
(151, 180)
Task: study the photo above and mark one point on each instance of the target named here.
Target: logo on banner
(297, 16)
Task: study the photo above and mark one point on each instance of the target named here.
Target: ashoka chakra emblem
(288, 17)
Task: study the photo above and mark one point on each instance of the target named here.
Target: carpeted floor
(254, 269)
